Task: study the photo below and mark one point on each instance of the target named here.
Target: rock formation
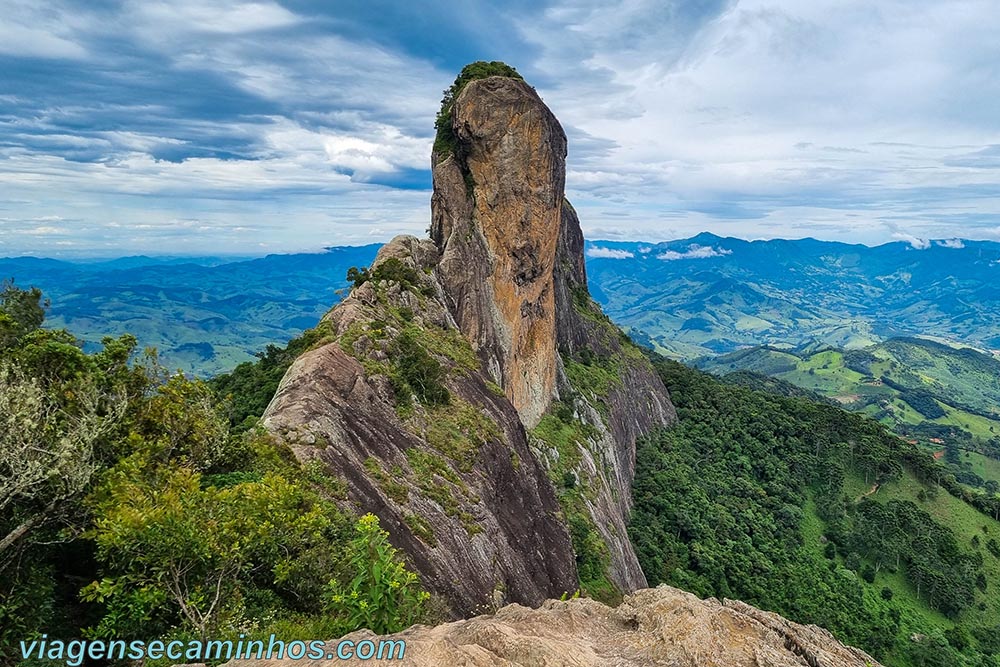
(469, 392)
(495, 215)
(657, 626)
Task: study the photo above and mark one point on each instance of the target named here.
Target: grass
(915, 615)
(421, 528)
(388, 482)
(965, 522)
(983, 466)
(458, 430)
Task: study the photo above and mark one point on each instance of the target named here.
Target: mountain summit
(468, 391)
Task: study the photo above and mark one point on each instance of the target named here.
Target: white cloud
(915, 241)
(778, 104)
(837, 119)
(30, 29)
(214, 16)
(609, 253)
(695, 251)
(645, 250)
(951, 243)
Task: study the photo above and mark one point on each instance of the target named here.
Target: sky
(227, 127)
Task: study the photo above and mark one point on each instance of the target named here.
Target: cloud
(845, 120)
(609, 253)
(226, 16)
(694, 251)
(951, 243)
(915, 241)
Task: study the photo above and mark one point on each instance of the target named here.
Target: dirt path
(867, 493)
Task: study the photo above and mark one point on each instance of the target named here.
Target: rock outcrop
(658, 626)
(633, 405)
(455, 485)
(470, 393)
(495, 215)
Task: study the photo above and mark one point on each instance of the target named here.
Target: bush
(416, 372)
(384, 596)
(444, 141)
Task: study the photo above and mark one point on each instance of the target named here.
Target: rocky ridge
(470, 393)
(658, 626)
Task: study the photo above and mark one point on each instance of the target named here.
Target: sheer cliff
(469, 392)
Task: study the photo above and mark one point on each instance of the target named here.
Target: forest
(131, 507)
(746, 498)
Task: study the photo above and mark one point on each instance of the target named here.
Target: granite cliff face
(496, 210)
(470, 393)
(455, 485)
(615, 413)
(660, 626)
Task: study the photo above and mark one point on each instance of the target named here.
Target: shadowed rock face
(498, 299)
(632, 408)
(496, 217)
(660, 626)
(478, 519)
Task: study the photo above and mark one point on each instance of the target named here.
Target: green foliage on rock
(444, 140)
(561, 430)
(416, 373)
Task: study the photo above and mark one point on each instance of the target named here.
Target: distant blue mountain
(203, 314)
(687, 298)
(709, 295)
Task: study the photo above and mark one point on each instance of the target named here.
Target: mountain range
(204, 315)
(711, 295)
(688, 298)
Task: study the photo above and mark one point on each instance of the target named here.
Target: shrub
(416, 372)
(384, 596)
(444, 141)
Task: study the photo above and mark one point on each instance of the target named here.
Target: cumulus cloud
(915, 242)
(609, 253)
(694, 251)
(837, 119)
(951, 243)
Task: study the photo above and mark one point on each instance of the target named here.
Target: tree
(21, 312)
(358, 277)
(163, 539)
(46, 452)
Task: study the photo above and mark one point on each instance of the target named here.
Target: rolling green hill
(944, 398)
(821, 515)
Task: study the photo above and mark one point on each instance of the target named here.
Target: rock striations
(469, 391)
(495, 215)
(656, 626)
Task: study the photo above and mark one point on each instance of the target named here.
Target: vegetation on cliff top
(444, 140)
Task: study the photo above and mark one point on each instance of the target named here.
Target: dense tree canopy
(744, 498)
(129, 506)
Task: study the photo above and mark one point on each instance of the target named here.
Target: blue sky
(222, 126)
